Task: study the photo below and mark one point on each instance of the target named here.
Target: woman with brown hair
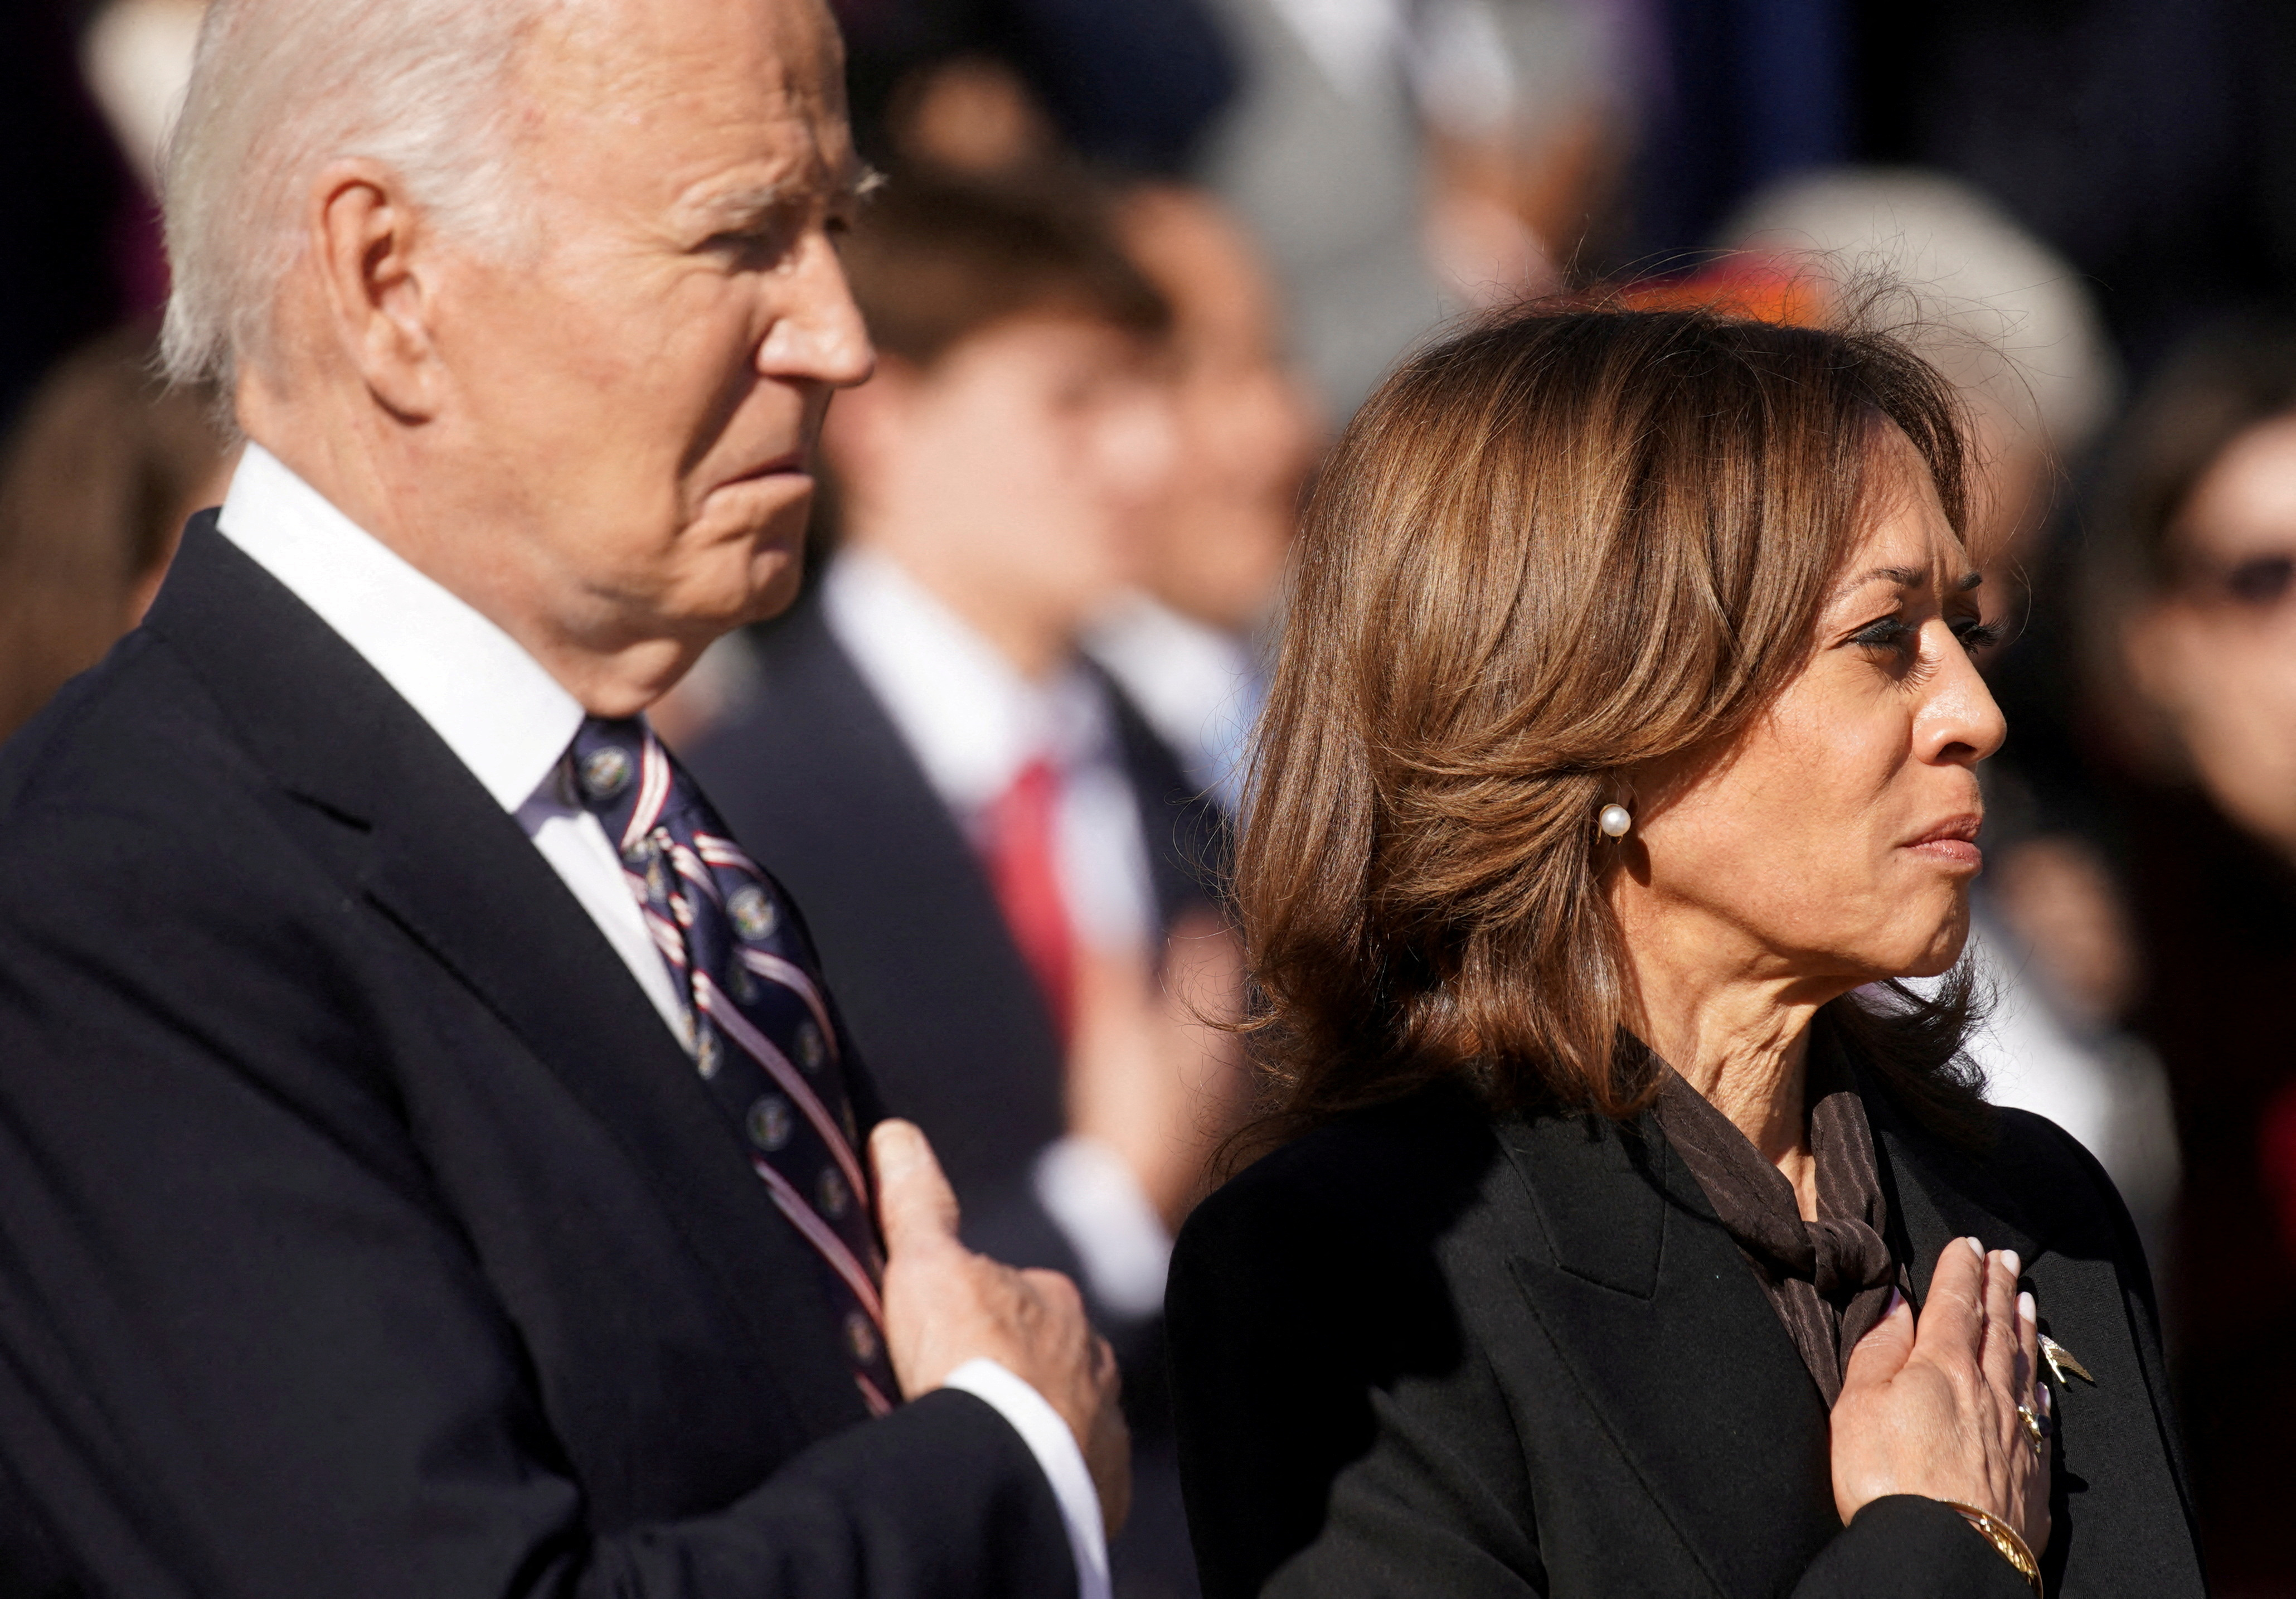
(1632, 1229)
(2191, 618)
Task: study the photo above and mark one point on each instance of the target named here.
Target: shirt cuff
(1092, 1196)
(1049, 1440)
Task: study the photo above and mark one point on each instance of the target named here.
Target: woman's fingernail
(2048, 1401)
(2009, 1259)
(1891, 1309)
(2025, 1311)
(1975, 1248)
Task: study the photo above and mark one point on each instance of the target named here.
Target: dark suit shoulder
(2046, 1168)
(1399, 1170)
(1306, 1297)
(134, 731)
(2038, 1178)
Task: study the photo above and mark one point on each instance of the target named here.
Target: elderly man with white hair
(430, 1160)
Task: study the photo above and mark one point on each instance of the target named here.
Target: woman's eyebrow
(1914, 577)
(1904, 577)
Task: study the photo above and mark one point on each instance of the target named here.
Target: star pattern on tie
(757, 1025)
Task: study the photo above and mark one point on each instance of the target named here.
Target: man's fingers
(1106, 1374)
(916, 1206)
(1056, 1291)
(1883, 1353)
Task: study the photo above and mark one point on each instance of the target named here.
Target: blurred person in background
(2012, 325)
(1529, 128)
(1187, 646)
(106, 465)
(1014, 877)
(1129, 85)
(1402, 162)
(2191, 609)
(1321, 156)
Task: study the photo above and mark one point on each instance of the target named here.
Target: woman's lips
(1952, 843)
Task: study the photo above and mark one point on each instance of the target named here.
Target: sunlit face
(1835, 840)
(1223, 528)
(644, 384)
(1012, 476)
(2216, 652)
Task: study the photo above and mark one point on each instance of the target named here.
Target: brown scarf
(1828, 1280)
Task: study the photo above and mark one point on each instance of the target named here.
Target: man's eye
(751, 248)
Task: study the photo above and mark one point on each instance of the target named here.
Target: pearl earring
(1615, 821)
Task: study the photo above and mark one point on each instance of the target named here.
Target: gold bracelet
(2002, 1537)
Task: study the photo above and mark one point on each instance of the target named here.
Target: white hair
(279, 89)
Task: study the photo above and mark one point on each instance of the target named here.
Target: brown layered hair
(1564, 542)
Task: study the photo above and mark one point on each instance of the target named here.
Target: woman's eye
(1975, 635)
(1888, 633)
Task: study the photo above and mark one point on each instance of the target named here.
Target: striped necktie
(757, 1024)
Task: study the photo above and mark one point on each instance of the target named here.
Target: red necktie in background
(1021, 850)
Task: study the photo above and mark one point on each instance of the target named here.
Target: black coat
(1419, 1353)
(362, 1231)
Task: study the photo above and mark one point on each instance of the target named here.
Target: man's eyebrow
(745, 202)
(752, 202)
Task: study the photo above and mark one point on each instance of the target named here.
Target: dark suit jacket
(1418, 1353)
(362, 1229)
(812, 773)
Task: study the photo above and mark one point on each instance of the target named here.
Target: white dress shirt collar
(969, 716)
(502, 715)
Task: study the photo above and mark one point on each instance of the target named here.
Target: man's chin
(778, 593)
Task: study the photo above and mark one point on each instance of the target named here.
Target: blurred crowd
(1134, 262)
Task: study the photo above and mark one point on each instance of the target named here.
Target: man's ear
(378, 263)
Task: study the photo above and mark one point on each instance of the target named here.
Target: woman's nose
(1960, 723)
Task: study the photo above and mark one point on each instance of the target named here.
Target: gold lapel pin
(2062, 1360)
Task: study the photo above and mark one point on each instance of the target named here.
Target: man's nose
(819, 333)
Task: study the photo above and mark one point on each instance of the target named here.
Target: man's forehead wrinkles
(766, 186)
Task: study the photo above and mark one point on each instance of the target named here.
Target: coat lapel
(1654, 1312)
(435, 853)
(2115, 1490)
